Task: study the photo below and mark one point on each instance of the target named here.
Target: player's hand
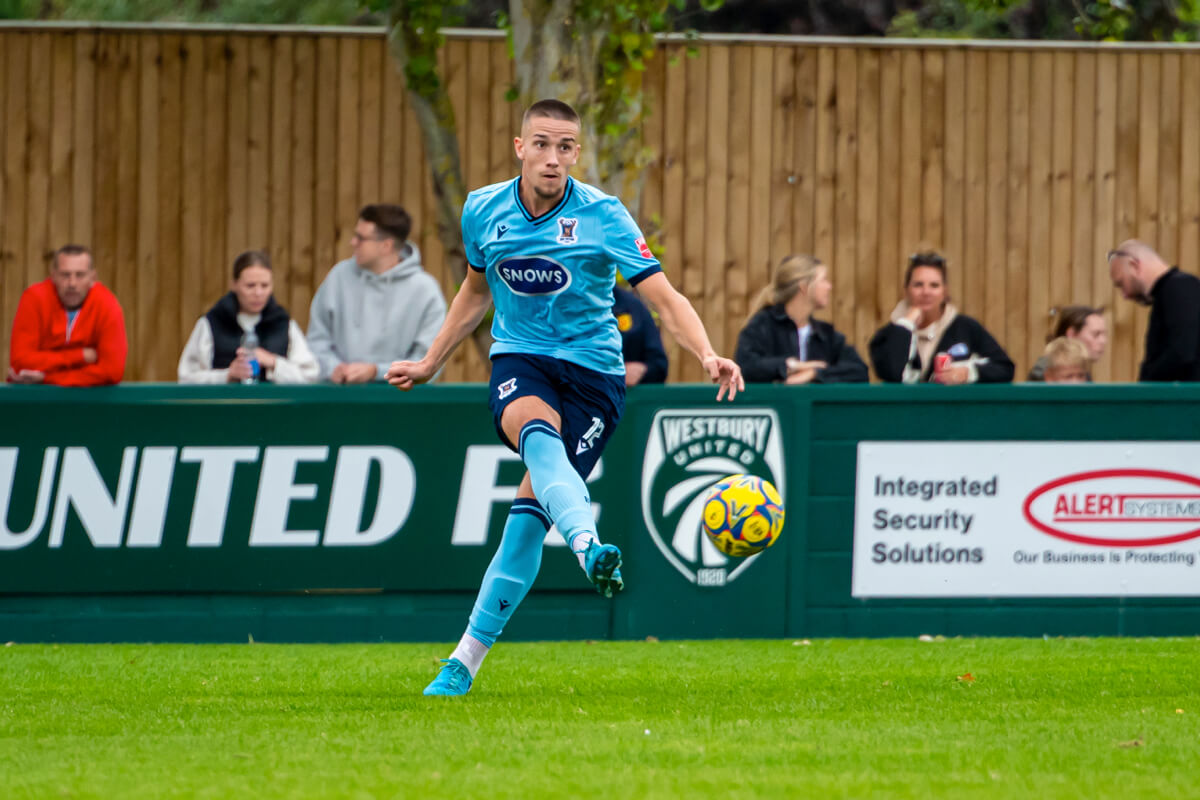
(90, 355)
(29, 376)
(404, 375)
(727, 373)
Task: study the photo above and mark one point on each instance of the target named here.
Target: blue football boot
(603, 565)
(452, 680)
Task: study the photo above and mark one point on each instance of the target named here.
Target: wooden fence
(171, 150)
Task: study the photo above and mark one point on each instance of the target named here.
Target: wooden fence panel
(169, 151)
(1016, 334)
(1105, 171)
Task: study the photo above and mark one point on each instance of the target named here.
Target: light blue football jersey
(552, 276)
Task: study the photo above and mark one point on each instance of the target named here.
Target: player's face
(73, 277)
(548, 148)
(253, 289)
(1094, 335)
(926, 290)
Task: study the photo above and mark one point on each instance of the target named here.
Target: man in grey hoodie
(377, 307)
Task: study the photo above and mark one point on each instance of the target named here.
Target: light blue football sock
(512, 571)
(556, 484)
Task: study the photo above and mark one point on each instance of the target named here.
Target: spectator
(641, 344)
(1173, 333)
(928, 340)
(1077, 322)
(784, 344)
(379, 306)
(214, 352)
(1067, 361)
(69, 329)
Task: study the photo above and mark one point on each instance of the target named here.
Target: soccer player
(545, 249)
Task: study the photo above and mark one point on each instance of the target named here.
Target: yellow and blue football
(743, 515)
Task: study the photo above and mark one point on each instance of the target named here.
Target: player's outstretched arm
(682, 321)
(464, 315)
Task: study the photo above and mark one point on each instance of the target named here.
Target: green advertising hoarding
(160, 489)
(326, 513)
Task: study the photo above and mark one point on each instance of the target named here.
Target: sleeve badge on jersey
(643, 248)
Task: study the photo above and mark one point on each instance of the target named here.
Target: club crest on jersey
(532, 276)
(566, 230)
(507, 388)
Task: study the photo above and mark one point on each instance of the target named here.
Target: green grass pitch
(958, 718)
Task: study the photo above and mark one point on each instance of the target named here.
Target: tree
(589, 53)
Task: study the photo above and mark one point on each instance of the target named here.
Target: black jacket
(891, 344)
(272, 329)
(769, 340)
(640, 339)
(1173, 332)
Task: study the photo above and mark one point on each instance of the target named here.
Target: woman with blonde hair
(782, 343)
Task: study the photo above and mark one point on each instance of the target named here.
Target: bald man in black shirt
(1173, 334)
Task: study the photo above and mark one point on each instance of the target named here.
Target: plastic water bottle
(250, 345)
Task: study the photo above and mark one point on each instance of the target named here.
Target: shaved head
(1135, 267)
(1133, 248)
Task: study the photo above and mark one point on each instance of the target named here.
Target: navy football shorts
(590, 403)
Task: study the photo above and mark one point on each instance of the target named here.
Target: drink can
(941, 361)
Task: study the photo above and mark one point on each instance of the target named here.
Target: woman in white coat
(215, 353)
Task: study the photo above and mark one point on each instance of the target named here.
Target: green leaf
(419, 65)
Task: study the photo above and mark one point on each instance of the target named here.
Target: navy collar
(568, 190)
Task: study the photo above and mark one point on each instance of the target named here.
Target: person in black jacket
(929, 341)
(1173, 332)
(784, 344)
(641, 343)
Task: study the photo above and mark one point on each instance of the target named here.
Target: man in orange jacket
(69, 329)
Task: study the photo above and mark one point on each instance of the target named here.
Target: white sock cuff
(470, 652)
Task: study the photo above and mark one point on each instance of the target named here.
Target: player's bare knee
(524, 410)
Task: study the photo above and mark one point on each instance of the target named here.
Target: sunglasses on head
(926, 260)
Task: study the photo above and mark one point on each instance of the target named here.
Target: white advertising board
(1027, 519)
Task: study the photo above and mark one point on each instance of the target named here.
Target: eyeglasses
(358, 237)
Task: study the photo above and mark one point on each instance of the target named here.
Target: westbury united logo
(688, 451)
(566, 230)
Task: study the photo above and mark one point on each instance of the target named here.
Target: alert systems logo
(1118, 507)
